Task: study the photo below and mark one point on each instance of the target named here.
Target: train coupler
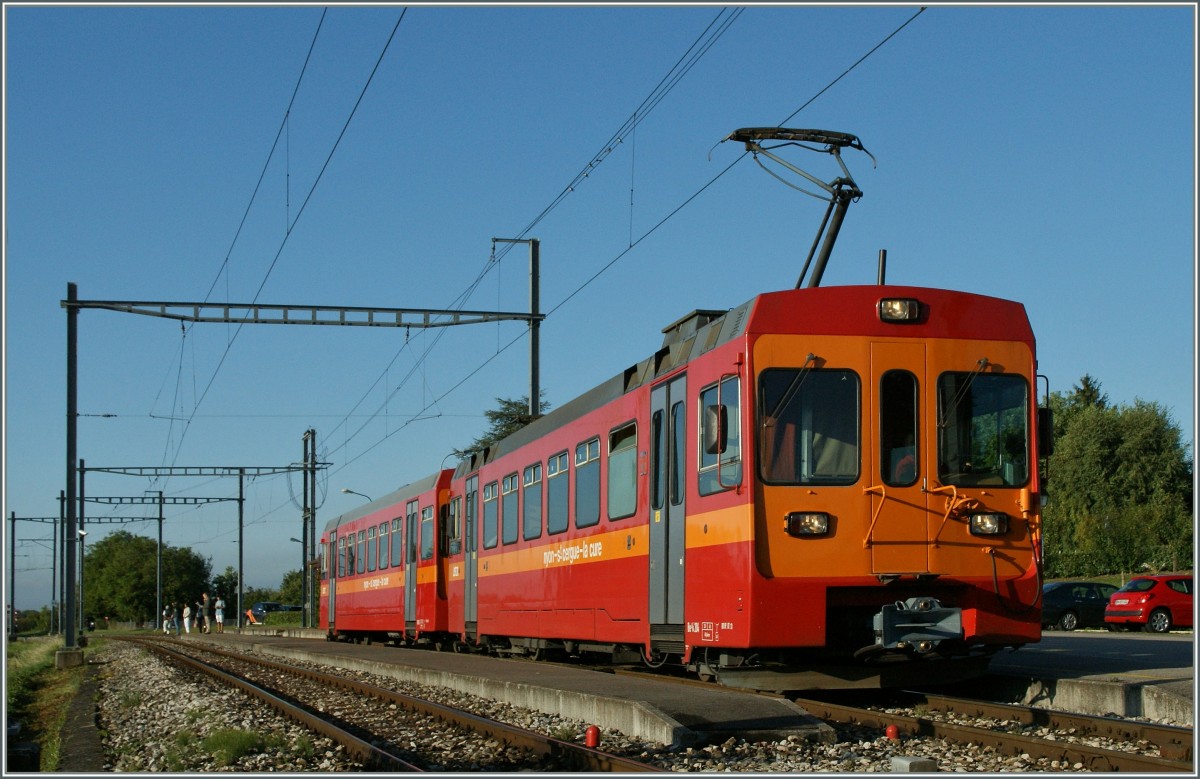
(917, 624)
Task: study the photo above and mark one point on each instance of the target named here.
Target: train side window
(472, 515)
(384, 538)
(454, 527)
(587, 483)
(361, 553)
(720, 436)
(397, 543)
(427, 534)
(531, 519)
(372, 549)
(658, 445)
(509, 508)
(622, 471)
(678, 447)
(412, 512)
(557, 493)
(341, 558)
(491, 516)
(810, 426)
(899, 436)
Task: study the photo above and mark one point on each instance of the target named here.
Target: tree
(508, 417)
(291, 589)
(1120, 486)
(120, 577)
(225, 585)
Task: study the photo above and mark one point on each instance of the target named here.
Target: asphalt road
(1093, 653)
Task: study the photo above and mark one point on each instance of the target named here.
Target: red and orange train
(828, 486)
(822, 487)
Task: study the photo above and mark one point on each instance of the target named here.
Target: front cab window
(809, 426)
(983, 430)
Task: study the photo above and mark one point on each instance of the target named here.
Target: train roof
(817, 310)
(405, 493)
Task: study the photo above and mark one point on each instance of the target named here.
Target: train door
(668, 434)
(470, 559)
(899, 531)
(331, 574)
(411, 539)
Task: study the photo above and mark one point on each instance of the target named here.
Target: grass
(230, 745)
(39, 694)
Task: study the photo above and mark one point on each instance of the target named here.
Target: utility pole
(256, 313)
(535, 319)
(158, 566)
(308, 520)
(310, 604)
(71, 655)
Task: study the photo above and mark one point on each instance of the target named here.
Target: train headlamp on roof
(899, 310)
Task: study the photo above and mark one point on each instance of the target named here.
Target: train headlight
(807, 523)
(989, 524)
(899, 310)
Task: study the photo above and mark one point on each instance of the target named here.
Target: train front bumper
(917, 625)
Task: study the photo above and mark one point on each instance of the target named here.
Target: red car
(1157, 603)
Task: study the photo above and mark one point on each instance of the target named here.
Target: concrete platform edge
(637, 719)
(1101, 698)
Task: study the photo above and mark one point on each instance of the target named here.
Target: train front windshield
(810, 428)
(983, 430)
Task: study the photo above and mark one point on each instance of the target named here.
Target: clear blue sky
(1042, 154)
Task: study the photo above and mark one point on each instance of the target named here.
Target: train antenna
(839, 193)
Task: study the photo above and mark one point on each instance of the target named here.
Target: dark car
(261, 609)
(1154, 603)
(1070, 605)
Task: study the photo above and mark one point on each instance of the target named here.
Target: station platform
(1127, 677)
(1096, 672)
(676, 715)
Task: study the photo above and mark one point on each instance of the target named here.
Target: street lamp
(349, 491)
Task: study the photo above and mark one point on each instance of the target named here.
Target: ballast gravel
(156, 718)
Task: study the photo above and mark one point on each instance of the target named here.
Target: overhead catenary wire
(608, 266)
(647, 105)
(291, 227)
(683, 65)
(671, 214)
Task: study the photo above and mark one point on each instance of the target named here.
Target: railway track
(1022, 730)
(390, 742)
(1009, 729)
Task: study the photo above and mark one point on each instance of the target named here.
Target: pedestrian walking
(205, 613)
(198, 616)
(166, 619)
(177, 618)
(219, 612)
(187, 619)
